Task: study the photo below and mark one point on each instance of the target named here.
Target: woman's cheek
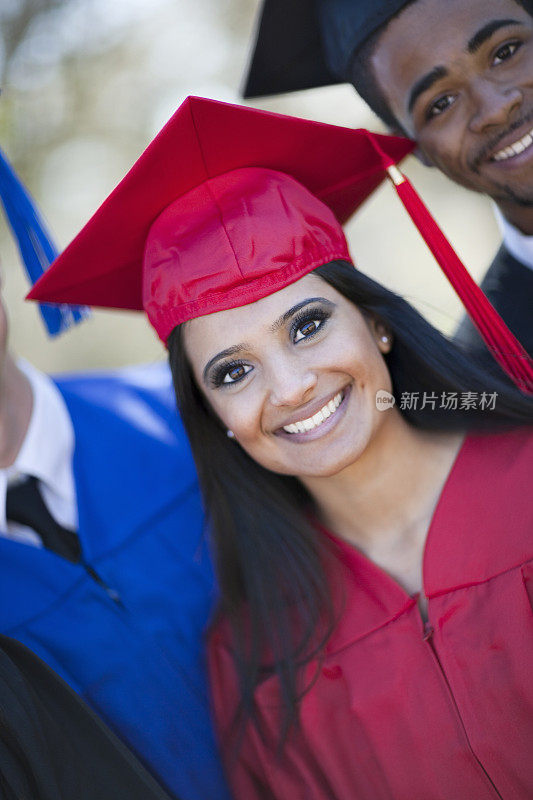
(243, 416)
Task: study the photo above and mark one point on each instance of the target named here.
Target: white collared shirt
(517, 243)
(46, 453)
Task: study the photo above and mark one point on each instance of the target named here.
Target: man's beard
(508, 193)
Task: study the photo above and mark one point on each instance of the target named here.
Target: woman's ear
(382, 335)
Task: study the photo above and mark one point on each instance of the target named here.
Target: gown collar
(482, 498)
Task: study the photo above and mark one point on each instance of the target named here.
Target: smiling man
(456, 75)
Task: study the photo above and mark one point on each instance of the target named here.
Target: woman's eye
(440, 105)
(306, 329)
(505, 52)
(236, 373)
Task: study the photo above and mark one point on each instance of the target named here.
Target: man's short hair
(363, 78)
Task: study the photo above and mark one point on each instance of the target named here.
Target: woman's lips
(309, 428)
(307, 424)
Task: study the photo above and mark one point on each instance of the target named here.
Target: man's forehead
(426, 25)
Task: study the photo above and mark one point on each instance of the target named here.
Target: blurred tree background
(86, 84)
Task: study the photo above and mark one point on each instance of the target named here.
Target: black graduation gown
(52, 746)
(509, 286)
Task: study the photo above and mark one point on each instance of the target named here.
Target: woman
(353, 656)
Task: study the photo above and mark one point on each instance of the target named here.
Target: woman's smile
(310, 425)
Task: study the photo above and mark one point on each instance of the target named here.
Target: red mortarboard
(229, 204)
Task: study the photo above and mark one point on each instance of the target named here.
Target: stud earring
(230, 434)
(385, 339)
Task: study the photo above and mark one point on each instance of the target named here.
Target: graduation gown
(403, 710)
(125, 627)
(52, 746)
(509, 286)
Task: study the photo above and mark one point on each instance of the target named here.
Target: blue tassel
(36, 248)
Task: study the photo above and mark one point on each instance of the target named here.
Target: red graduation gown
(403, 710)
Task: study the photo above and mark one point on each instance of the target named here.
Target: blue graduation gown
(125, 629)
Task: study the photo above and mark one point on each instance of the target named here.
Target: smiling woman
(311, 372)
(374, 565)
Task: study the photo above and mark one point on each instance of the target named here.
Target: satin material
(125, 627)
(227, 205)
(403, 710)
(262, 231)
(254, 202)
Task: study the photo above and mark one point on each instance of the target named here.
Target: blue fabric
(36, 247)
(130, 642)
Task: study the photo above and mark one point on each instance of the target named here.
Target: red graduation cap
(229, 204)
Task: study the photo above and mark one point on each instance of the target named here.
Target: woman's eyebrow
(280, 322)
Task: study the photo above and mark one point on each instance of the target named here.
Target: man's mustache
(491, 145)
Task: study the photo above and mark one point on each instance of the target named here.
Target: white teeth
(304, 425)
(514, 149)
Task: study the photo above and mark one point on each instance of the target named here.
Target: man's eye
(307, 329)
(505, 52)
(236, 373)
(440, 105)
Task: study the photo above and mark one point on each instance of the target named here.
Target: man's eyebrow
(280, 322)
(486, 32)
(229, 351)
(424, 83)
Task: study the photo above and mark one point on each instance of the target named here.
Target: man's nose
(290, 383)
(494, 105)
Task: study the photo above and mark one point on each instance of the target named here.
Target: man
(456, 76)
(105, 572)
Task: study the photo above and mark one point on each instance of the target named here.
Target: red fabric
(229, 204)
(231, 241)
(503, 345)
(187, 167)
(397, 714)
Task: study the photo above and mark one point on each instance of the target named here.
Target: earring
(385, 339)
(230, 434)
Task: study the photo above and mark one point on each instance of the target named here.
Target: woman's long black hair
(269, 556)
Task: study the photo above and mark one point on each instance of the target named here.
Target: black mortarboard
(301, 44)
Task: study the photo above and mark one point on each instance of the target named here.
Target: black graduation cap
(301, 44)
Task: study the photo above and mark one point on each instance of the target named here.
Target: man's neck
(16, 402)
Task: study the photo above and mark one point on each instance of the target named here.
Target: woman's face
(294, 376)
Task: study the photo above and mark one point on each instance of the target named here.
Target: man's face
(458, 76)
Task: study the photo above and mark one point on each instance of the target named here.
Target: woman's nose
(290, 384)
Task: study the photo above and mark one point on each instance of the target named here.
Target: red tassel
(503, 345)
